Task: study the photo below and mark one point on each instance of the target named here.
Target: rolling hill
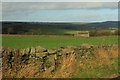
(46, 28)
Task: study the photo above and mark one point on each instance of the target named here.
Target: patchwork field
(52, 42)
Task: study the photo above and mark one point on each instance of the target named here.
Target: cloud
(60, 0)
(22, 10)
(10, 6)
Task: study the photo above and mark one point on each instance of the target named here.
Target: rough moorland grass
(99, 69)
(52, 42)
(103, 64)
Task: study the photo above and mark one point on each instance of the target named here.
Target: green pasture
(52, 42)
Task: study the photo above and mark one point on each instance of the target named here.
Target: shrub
(101, 33)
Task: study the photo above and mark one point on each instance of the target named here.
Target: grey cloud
(25, 8)
(10, 6)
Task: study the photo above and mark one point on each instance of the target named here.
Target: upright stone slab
(27, 51)
(32, 52)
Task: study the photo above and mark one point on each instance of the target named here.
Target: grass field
(52, 42)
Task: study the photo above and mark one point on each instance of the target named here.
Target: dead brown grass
(69, 66)
(47, 73)
(102, 53)
(28, 71)
(102, 58)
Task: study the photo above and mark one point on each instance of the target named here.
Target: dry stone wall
(15, 58)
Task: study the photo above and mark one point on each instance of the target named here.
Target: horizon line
(55, 21)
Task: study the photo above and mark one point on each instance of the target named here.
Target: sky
(60, 0)
(60, 11)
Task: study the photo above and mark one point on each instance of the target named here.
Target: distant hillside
(41, 28)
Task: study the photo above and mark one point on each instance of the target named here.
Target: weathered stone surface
(51, 59)
(27, 50)
(52, 51)
(32, 50)
(85, 45)
(55, 56)
(59, 54)
(9, 50)
(40, 49)
(68, 50)
(22, 52)
(40, 55)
